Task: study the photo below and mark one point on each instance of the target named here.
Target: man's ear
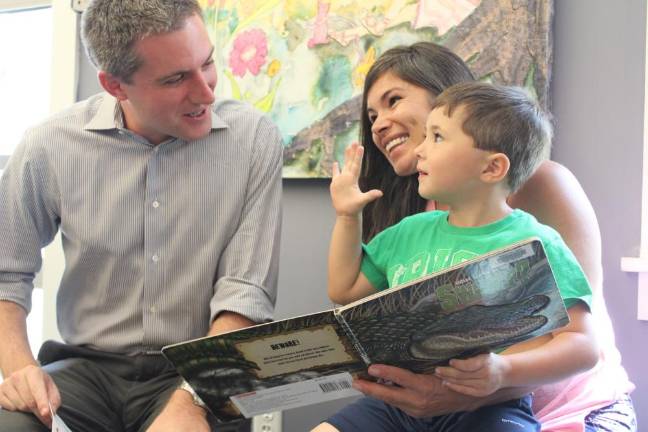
(113, 85)
(496, 168)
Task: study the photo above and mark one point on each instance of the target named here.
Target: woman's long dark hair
(423, 64)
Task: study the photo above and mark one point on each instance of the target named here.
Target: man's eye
(437, 137)
(174, 80)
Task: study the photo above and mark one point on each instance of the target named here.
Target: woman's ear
(112, 85)
(496, 168)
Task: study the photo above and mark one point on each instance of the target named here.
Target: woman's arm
(425, 395)
(555, 197)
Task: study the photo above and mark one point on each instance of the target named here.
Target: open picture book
(481, 305)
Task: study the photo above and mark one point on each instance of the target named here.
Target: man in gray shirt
(168, 203)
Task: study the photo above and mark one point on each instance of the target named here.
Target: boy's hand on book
(348, 199)
(477, 376)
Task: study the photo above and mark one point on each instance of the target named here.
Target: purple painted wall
(598, 103)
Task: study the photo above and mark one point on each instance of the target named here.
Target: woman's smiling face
(397, 111)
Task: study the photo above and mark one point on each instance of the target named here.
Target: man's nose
(203, 92)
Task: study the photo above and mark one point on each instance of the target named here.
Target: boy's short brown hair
(505, 120)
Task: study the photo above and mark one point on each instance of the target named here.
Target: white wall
(65, 50)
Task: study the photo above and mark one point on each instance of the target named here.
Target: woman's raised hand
(348, 199)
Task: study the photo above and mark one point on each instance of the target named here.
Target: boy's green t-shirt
(426, 243)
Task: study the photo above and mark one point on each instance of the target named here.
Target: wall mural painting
(304, 62)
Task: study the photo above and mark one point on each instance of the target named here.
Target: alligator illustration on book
(413, 331)
(427, 336)
(475, 328)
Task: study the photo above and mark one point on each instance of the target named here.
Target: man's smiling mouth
(196, 113)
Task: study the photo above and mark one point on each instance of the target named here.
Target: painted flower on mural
(249, 52)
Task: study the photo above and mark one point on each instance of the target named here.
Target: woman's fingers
(335, 169)
(353, 160)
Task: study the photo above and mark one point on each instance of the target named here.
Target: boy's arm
(571, 350)
(345, 281)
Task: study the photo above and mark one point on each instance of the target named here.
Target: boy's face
(170, 95)
(449, 164)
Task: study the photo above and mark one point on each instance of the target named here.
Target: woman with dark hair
(431, 68)
(396, 101)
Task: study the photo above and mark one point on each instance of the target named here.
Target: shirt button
(156, 204)
(155, 258)
(153, 309)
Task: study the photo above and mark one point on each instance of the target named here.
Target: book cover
(484, 304)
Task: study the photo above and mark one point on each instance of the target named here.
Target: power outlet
(269, 422)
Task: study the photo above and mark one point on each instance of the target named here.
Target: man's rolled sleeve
(28, 221)
(248, 268)
(236, 295)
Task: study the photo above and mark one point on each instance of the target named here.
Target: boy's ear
(496, 168)
(113, 85)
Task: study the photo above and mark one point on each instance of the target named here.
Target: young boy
(482, 143)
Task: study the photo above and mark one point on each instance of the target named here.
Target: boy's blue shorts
(373, 415)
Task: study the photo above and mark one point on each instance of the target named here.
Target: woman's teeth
(393, 143)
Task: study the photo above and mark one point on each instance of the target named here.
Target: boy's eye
(437, 137)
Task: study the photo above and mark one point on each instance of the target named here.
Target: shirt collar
(109, 116)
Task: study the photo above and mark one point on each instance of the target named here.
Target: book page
(303, 349)
(260, 364)
(58, 425)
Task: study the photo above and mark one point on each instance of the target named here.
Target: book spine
(352, 337)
